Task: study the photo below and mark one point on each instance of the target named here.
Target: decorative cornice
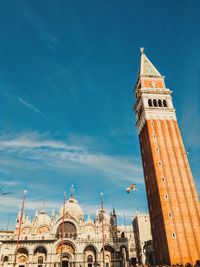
(156, 114)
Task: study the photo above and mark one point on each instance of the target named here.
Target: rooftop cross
(72, 190)
(43, 210)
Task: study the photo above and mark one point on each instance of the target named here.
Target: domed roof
(72, 207)
(43, 218)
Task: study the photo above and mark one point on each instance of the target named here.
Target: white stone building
(142, 234)
(41, 240)
(127, 232)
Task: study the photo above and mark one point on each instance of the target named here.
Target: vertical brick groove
(185, 175)
(159, 173)
(189, 175)
(179, 185)
(163, 135)
(177, 181)
(154, 197)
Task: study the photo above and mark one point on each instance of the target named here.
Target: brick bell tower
(172, 197)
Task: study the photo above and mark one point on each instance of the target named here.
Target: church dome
(72, 207)
(43, 218)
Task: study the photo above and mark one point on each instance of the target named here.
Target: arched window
(69, 229)
(122, 235)
(5, 259)
(150, 102)
(164, 103)
(155, 103)
(160, 103)
(40, 260)
(41, 254)
(163, 179)
(170, 215)
(22, 250)
(173, 235)
(40, 250)
(90, 261)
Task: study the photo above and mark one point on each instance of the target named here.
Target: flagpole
(102, 218)
(63, 226)
(20, 223)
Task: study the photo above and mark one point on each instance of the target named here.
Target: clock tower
(172, 197)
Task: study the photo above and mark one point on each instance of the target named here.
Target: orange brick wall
(172, 197)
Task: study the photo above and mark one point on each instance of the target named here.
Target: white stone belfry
(153, 99)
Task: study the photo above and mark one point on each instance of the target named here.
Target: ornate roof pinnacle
(142, 50)
(53, 213)
(43, 210)
(72, 190)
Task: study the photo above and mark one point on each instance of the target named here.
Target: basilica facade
(68, 240)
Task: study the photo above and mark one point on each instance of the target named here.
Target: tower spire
(146, 66)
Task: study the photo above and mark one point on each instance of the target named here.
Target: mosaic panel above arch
(42, 230)
(26, 230)
(66, 248)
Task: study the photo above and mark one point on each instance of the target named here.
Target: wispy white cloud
(9, 183)
(32, 140)
(49, 39)
(29, 105)
(58, 154)
(123, 214)
(12, 203)
(31, 153)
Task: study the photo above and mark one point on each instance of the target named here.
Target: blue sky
(67, 71)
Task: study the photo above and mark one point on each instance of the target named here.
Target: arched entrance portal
(22, 257)
(39, 256)
(109, 256)
(90, 256)
(65, 254)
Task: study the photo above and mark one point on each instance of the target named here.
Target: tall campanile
(172, 197)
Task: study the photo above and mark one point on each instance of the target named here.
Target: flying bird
(132, 187)
(188, 151)
(4, 193)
